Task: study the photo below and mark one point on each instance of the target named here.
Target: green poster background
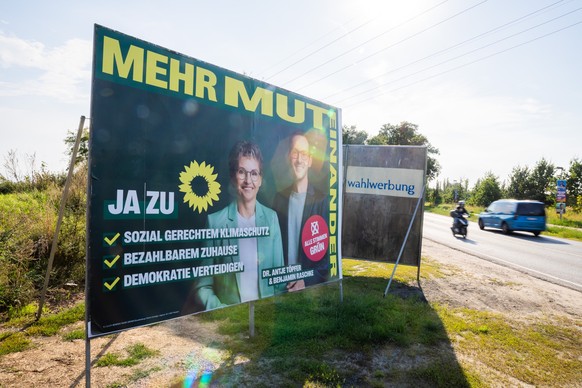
(150, 144)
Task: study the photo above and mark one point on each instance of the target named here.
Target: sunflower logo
(199, 185)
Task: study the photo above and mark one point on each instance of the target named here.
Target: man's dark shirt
(315, 203)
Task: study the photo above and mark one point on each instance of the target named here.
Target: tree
(434, 195)
(351, 135)
(542, 181)
(486, 190)
(455, 191)
(83, 151)
(574, 184)
(407, 133)
(537, 183)
(519, 183)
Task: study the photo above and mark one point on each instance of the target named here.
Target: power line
(272, 66)
(462, 55)
(392, 45)
(468, 63)
(368, 41)
(447, 49)
(318, 49)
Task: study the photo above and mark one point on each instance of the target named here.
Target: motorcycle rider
(458, 213)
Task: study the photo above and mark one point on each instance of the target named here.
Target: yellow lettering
(205, 81)
(333, 146)
(332, 223)
(283, 109)
(176, 76)
(236, 88)
(333, 201)
(333, 256)
(333, 265)
(332, 119)
(112, 55)
(318, 114)
(152, 69)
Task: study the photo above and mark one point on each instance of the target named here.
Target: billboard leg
(87, 362)
(420, 199)
(252, 319)
(60, 218)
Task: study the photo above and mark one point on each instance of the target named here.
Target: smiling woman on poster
(255, 253)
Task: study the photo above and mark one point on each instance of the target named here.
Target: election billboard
(207, 188)
(382, 187)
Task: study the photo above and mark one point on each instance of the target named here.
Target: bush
(27, 226)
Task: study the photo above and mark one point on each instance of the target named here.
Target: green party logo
(199, 185)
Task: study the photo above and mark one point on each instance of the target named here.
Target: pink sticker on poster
(315, 238)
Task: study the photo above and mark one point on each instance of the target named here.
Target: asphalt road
(553, 259)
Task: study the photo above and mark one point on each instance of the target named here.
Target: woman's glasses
(242, 174)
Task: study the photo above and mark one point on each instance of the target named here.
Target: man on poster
(297, 207)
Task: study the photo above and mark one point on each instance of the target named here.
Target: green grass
(570, 219)
(303, 337)
(74, 334)
(299, 331)
(13, 343)
(312, 339)
(135, 354)
(561, 232)
(47, 325)
(537, 353)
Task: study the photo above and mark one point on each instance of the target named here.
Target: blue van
(514, 215)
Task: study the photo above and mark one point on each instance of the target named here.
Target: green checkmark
(111, 241)
(112, 285)
(111, 263)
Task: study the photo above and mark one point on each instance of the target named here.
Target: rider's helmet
(461, 204)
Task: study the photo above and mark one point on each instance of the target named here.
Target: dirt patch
(483, 285)
(190, 346)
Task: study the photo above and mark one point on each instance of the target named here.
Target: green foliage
(135, 354)
(574, 184)
(568, 233)
(322, 373)
(49, 325)
(74, 334)
(83, 150)
(455, 191)
(537, 183)
(486, 190)
(351, 135)
(304, 328)
(407, 133)
(27, 227)
(443, 373)
(543, 181)
(525, 351)
(13, 343)
(519, 183)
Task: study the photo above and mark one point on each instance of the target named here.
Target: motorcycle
(460, 224)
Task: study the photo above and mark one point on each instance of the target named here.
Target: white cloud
(61, 72)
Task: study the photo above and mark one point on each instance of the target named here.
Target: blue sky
(492, 84)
